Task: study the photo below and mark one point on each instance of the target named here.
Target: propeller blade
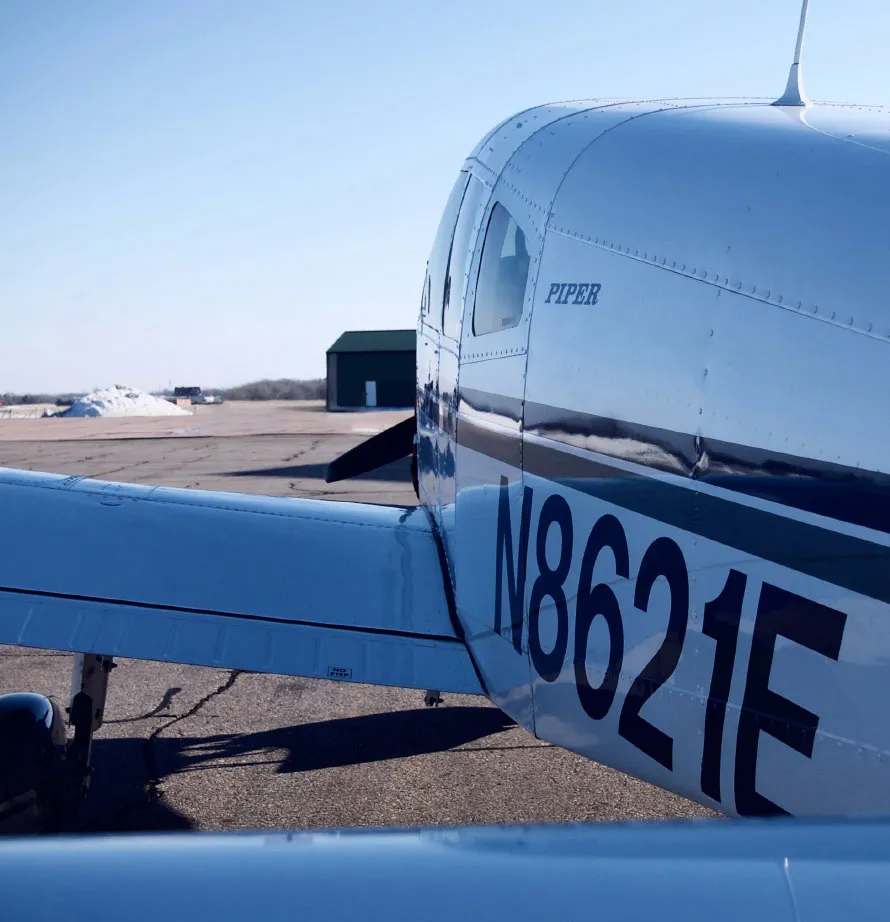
(389, 445)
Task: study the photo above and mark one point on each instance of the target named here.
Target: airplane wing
(292, 586)
(782, 871)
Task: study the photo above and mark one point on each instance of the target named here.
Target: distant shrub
(277, 389)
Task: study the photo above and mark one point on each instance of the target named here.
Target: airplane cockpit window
(503, 274)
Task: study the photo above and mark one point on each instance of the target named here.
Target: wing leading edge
(778, 870)
(331, 590)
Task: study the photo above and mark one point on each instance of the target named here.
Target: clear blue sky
(211, 191)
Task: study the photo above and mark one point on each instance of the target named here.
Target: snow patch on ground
(26, 411)
(122, 401)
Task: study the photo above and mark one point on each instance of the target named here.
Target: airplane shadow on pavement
(129, 773)
(394, 472)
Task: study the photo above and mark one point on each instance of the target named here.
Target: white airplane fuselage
(653, 361)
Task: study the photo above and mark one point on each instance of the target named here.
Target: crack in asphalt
(118, 470)
(302, 452)
(135, 464)
(152, 790)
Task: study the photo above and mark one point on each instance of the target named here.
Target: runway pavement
(188, 747)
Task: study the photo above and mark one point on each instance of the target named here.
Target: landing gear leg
(433, 698)
(89, 686)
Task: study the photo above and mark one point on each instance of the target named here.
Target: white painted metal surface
(738, 309)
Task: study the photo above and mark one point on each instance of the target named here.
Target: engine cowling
(33, 739)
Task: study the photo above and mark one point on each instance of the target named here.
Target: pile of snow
(123, 401)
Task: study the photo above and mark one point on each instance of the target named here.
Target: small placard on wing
(339, 672)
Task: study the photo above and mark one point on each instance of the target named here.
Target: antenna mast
(794, 94)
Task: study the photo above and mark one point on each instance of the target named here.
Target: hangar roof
(376, 341)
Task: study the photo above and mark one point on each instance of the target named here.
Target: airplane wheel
(33, 781)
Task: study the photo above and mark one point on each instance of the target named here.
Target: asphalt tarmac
(185, 747)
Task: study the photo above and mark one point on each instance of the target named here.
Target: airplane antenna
(794, 94)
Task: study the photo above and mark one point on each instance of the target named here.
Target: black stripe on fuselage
(836, 491)
(502, 445)
(854, 563)
(860, 565)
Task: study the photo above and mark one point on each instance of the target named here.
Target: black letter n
(515, 586)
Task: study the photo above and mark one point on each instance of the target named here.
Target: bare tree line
(274, 389)
(9, 399)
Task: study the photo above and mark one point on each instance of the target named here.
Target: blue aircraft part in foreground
(785, 871)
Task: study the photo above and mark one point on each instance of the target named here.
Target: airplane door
(429, 332)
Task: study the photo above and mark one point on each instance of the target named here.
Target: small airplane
(654, 520)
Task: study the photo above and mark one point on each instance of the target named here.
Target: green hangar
(372, 368)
